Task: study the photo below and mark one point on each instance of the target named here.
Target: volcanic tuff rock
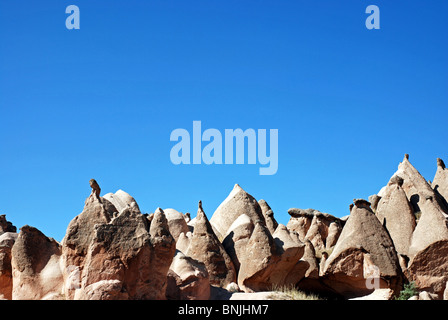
(5, 225)
(205, 247)
(364, 248)
(432, 225)
(116, 255)
(113, 251)
(270, 259)
(428, 249)
(176, 222)
(440, 182)
(36, 272)
(122, 200)
(238, 202)
(322, 229)
(7, 240)
(188, 279)
(268, 214)
(235, 242)
(395, 213)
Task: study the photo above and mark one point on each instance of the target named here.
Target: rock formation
(5, 225)
(268, 215)
(35, 261)
(176, 222)
(112, 251)
(426, 203)
(116, 255)
(440, 182)
(428, 248)
(205, 247)
(96, 190)
(363, 253)
(8, 236)
(395, 213)
(322, 229)
(122, 200)
(238, 202)
(188, 279)
(270, 260)
(235, 242)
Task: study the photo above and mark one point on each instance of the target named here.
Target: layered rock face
(112, 251)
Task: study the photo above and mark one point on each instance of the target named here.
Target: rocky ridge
(113, 251)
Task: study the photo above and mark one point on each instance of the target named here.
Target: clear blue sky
(101, 102)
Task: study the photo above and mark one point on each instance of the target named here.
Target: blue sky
(101, 102)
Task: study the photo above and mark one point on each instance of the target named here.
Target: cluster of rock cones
(113, 251)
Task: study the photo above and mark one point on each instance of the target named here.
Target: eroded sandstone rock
(205, 247)
(176, 222)
(238, 202)
(322, 229)
(112, 254)
(395, 213)
(363, 254)
(36, 266)
(7, 240)
(268, 214)
(440, 182)
(270, 260)
(188, 279)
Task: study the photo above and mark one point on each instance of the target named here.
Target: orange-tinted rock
(7, 240)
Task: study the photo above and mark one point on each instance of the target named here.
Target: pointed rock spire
(238, 202)
(257, 263)
(205, 247)
(363, 245)
(432, 225)
(395, 212)
(237, 237)
(96, 190)
(440, 182)
(176, 222)
(268, 214)
(271, 259)
(159, 225)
